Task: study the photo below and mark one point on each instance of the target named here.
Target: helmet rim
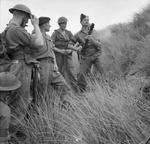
(21, 8)
(8, 81)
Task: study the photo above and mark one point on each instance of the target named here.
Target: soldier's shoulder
(16, 29)
(68, 31)
(11, 31)
(56, 30)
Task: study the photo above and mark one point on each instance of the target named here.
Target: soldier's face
(63, 25)
(47, 26)
(85, 21)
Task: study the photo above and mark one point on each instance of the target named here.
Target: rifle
(34, 85)
(86, 42)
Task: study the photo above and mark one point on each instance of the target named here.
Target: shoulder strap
(3, 49)
(3, 41)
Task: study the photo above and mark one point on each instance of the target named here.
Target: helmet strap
(23, 23)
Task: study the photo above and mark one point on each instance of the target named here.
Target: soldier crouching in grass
(8, 83)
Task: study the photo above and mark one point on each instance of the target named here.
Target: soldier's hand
(68, 51)
(34, 20)
(90, 38)
(76, 44)
(63, 51)
(79, 48)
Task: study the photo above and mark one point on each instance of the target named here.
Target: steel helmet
(62, 20)
(21, 7)
(8, 82)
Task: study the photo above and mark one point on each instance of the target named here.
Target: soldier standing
(63, 51)
(92, 52)
(48, 70)
(19, 43)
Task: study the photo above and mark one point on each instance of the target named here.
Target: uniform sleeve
(70, 35)
(53, 36)
(52, 44)
(74, 39)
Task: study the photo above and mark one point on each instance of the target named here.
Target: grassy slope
(105, 116)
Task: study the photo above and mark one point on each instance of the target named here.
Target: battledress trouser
(49, 76)
(4, 122)
(85, 68)
(68, 69)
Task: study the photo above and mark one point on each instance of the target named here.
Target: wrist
(70, 47)
(74, 48)
(63, 51)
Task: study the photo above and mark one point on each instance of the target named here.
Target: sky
(101, 12)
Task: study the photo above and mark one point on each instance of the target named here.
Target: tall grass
(101, 116)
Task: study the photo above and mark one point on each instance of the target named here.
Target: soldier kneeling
(8, 83)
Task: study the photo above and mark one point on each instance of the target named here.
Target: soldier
(8, 83)
(19, 44)
(48, 70)
(63, 51)
(91, 54)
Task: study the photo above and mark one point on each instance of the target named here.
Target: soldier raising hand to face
(19, 46)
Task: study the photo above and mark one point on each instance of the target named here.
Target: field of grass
(102, 116)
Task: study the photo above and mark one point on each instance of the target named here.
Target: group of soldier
(47, 59)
